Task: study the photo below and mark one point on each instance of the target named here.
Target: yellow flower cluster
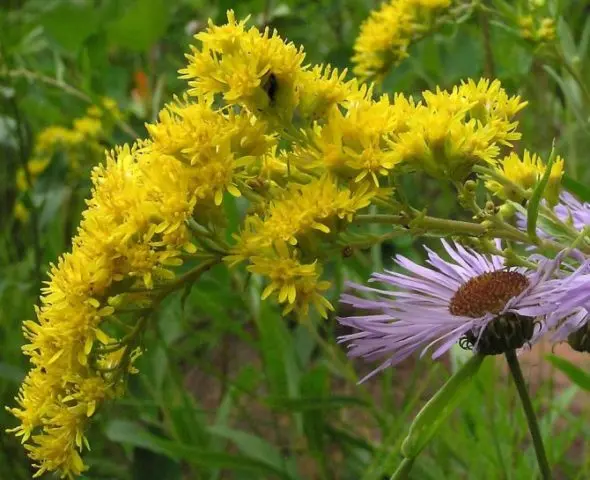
(525, 173)
(453, 131)
(385, 36)
(260, 72)
(134, 233)
(289, 227)
(444, 136)
(537, 30)
(305, 149)
(81, 144)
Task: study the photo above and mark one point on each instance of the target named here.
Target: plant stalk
(404, 469)
(529, 413)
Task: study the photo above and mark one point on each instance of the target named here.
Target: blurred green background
(227, 388)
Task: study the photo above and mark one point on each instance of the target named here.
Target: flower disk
(487, 293)
(471, 297)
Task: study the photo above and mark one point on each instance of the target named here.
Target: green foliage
(227, 388)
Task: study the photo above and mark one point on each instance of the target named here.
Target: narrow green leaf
(535, 200)
(584, 40)
(252, 446)
(573, 372)
(572, 94)
(134, 434)
(313, 403)
(277, 348)
(315, 383)
(439, 407)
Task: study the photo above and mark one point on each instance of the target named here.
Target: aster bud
(580, 339)
(504, 333)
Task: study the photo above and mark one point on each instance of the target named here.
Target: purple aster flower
(474, 300)
(571, 209)
(571, 320)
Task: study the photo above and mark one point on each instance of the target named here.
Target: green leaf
(535, 200)
(142, 23)
(252, 446)
(132, 433)
(439, 407)
(277, 348)
(70, 24)
(314, 403)
(573, 372)
(584, 40)
(11, 373)
(573, 95)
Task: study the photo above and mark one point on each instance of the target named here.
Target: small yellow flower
(546, 32)
(21, 213)
(321, 206)
(526, 172)
(297, 285)
(453, 131)
(323, 88)
(537, 30)
(249, 68)
(88, 126)
(354, 144)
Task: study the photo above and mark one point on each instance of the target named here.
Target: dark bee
(270, 86)
(347, 251)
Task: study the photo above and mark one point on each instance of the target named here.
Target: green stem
(403, 470)
(181, 281)
(424, 222)
(529, 413)
(34, 76)
(495, 228)
(382, 218)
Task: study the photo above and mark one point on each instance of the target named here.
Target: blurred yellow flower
(539, 30)
(81, 144)
(385, 36)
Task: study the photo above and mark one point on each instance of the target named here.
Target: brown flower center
(487, 293)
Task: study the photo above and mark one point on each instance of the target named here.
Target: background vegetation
(227, 388)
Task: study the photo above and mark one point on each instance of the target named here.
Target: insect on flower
(270, 86)
(472, 300)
